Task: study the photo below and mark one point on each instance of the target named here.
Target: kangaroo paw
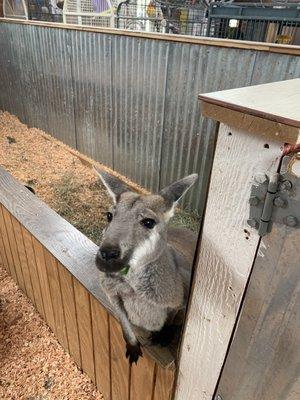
(165, 336)
(133, 352)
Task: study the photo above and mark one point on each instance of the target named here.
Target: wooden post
(255, 123)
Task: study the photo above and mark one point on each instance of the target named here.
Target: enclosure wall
(53, 265)
(129, 101)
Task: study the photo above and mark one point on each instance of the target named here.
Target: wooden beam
(216, 42)
(70, 248)
(224, 260)
(252, 124)
(263, 359)
(270, 109)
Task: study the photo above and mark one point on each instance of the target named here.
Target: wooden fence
(53, 265)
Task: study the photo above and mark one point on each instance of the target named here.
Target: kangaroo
(145, 266)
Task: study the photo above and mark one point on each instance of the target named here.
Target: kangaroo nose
(110, 253)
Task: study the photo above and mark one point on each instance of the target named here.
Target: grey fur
(156, 286)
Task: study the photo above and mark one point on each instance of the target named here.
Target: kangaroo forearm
(127, 330)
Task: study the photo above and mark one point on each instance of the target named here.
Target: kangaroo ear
(173, 193)
(114, 185)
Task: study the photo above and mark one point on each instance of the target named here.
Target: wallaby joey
(145, 266)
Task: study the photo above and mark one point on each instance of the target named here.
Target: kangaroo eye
(109, 216)
(148, 223)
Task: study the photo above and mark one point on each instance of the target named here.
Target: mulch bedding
(59, 178)
(33, 365)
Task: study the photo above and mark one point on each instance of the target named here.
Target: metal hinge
(273, 199)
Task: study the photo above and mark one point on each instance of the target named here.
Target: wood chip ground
(33, 365)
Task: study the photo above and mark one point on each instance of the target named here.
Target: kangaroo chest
(141, 311)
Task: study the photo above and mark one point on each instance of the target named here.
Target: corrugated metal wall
(129, 102)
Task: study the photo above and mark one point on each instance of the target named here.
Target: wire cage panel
(15, 9)
(44, 10)
(255, 22)
(89, 12)
(182, 18)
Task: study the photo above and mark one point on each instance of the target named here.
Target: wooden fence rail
(53, 265)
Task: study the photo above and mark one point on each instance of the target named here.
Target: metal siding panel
(91, 61)
(39, 76)
(128, 102)
(56, 86)
(188, 138)
(271, 67)
(139, 79)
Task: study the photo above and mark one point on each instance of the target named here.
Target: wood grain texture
(23, 258)
(120, 369)
(83, 312)
(250, 123)
(14, 249)
(32, 266)
(3, 251)
(263, 360)
(224, 260)
(68, 298)
(142, 379)
(44, 283)
(101, 348)
(163, 384)
(69, 246)
(9, 258)
(239, 44)
(56, 299)
(277, 101)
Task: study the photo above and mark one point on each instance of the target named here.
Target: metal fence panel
(129, 102)
(139, 85)
(91, 69)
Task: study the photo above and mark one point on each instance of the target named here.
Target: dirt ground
(60, 178)
(33, 365)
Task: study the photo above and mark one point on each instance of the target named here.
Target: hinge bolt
(253, 201)
(279, 202)
(261, 178)
(285, 185)
(290, 220)
(253, 223)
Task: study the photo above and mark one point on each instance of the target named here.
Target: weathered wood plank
(163, 384)
(68, 298)
(101, 347)
(83, 311)
(276, 101)
(142, 379)
(226, 254)
(32, 266)
(208, 41)
(250, 123)
(7, 245)
(3, 252)
(56, 298)
(14, 248)
(23, 258)
(44, 283)
(263, 360)
(69, 246)
(120, 369)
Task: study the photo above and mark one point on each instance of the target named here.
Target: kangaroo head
(137, 224)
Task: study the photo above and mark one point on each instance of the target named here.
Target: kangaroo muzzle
(108, 258)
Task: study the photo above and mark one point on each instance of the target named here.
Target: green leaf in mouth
(124, 271)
